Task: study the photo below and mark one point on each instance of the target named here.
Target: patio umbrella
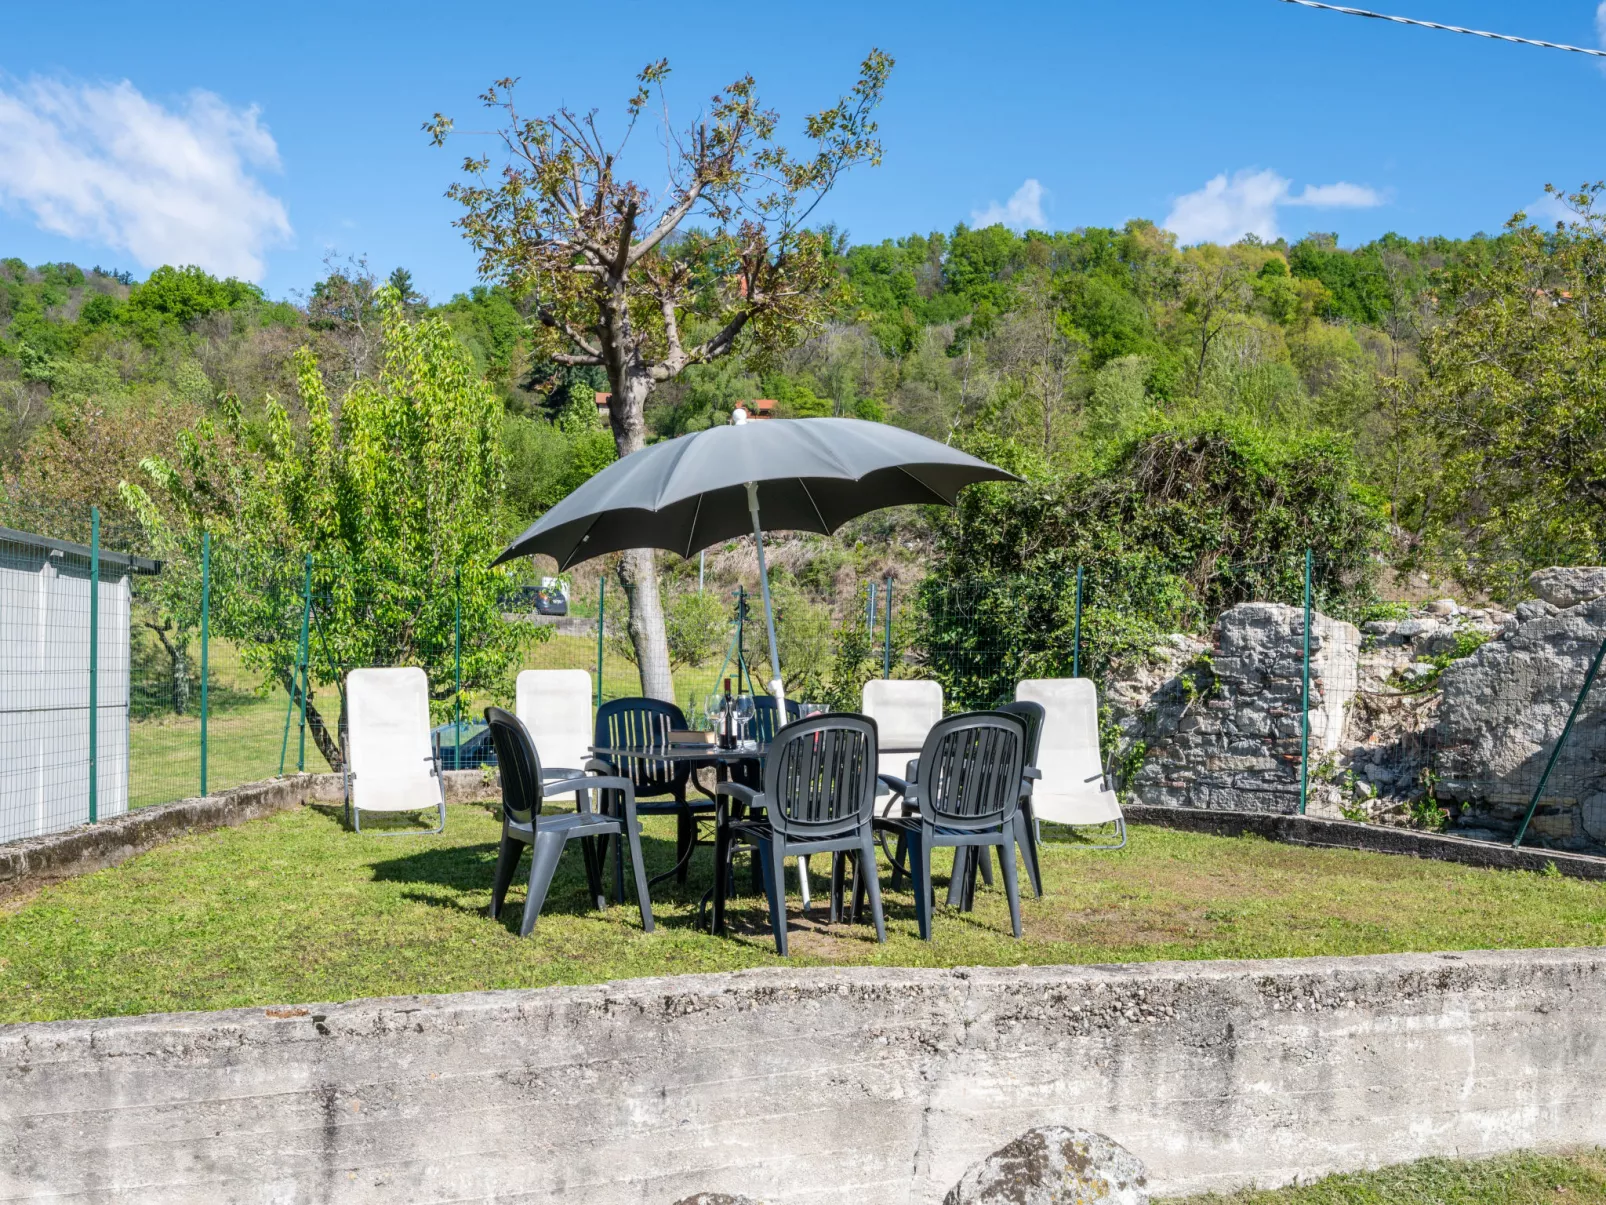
(807, 474)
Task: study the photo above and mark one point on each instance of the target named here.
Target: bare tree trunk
(327, 742)
(638, 567)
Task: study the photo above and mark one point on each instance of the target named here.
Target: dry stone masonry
(1454, 708)
(1225, 732)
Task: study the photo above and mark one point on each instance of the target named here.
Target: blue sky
(258, 139)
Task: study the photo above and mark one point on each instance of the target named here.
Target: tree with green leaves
(396, 502)
(648, 284)
(1514, 387)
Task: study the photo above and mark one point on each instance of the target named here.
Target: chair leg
(899, 849)
(1006, 859)
(685, 834)
(803, 880)
(769, 851)
(593, 861)
(839, 862)
(507, 861)
(866, 873)
(959, 882)
(920, 871)
(543, 865)
(1026, 838)
(722, 880)
(985, 864)
(638, 869)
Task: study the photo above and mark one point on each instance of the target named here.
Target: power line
(1477, 33)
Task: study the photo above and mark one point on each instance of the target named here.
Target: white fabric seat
(905, 710)
(391, 762)
(1074, 789)
(556, 706)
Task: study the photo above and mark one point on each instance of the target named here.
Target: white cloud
(104, 163)
(1225, 210)
(1023, 211)
(1600, 22)
(1547, 209)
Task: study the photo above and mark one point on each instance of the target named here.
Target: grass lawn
(1521, 1179)
(294, 908)
(245, 734)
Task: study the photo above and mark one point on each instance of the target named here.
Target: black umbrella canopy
(690, 493)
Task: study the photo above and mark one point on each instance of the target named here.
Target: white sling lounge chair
(391, 763)
(556, 706)
(1074, 788)
(905, 711)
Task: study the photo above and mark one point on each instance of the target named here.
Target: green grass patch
(1524, 1178)
(295, 908)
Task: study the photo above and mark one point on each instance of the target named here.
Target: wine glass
(711, 710)
(744, 715)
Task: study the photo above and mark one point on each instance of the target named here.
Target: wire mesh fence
(169, 681)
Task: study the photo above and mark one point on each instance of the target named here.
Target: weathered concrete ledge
(25, 865)
(1345, 834)
(812, 1086)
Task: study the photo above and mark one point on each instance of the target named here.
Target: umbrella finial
(738, 417)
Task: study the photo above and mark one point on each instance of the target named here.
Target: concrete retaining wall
(25, 865)
(811, 1086)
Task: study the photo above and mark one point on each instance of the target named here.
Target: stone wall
(817, 1086)
(1397, 715)
(1226, 731)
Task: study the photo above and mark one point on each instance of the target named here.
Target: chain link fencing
(172, 681)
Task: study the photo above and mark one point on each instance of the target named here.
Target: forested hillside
(1430, 402)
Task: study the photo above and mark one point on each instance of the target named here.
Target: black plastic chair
(547, 836)
(818, 797)
(643, 724)
(970, 778)
(967, 863)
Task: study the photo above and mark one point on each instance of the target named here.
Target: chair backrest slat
(819, 775)
(971, 769)
(518, 764)
(643, 724)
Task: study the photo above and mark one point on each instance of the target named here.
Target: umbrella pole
(776, 688)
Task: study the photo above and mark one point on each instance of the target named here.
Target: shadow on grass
(467, 873)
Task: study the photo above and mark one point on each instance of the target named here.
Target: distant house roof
(135, 564)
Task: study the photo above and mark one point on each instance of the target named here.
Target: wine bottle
(727, 736)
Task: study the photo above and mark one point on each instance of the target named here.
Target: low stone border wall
(25, 865)
(812, 1086)
(1377, 838)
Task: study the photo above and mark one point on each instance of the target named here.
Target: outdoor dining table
(701, 754)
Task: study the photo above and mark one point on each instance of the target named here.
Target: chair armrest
(598, 766)
(737, 791)
(894, 784)
(588, 782)
(548, 773)
(1033, 773)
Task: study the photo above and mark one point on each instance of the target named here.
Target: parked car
(551, 600)
(518, 599)
(466, 750)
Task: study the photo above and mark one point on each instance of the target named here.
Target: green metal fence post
(94, 664)
(206, 631)
(1076, 649)
(1555, 753)
(306, 618)
(602, 605)
(457, 670)
(886, 646)
(1304, 714)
